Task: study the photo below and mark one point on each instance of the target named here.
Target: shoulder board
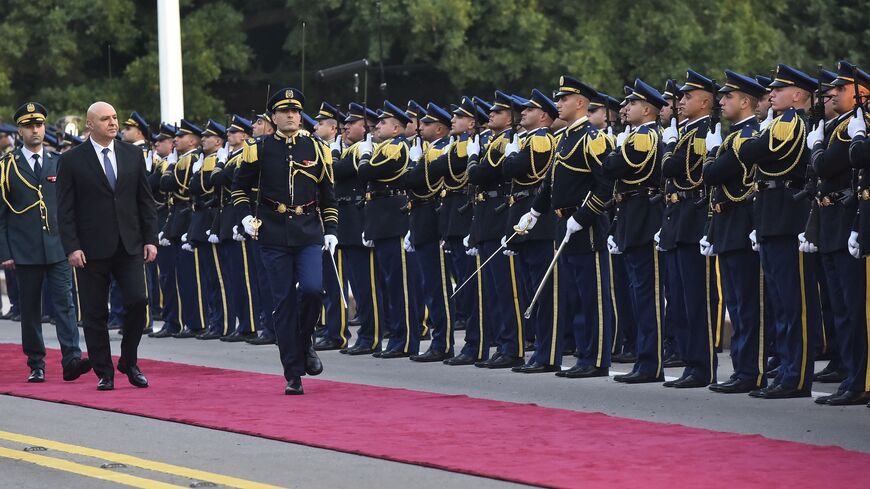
(390, 150)
(461, 148)
(540, 143)
(783, 127)
(643, 139)
(249, 150)
(597, 142)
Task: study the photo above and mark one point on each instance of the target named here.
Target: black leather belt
(773, 184)
(488, 194)
(380, 194)
(460, 191)
(518, 196)
(292, 210)
(641, 192)
(675, 197)
(567, 212)
(835, 198)
(352, 199)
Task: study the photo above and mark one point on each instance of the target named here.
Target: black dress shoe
(238, 337)
(486, 363)
(313, 365)
(535, 368)
(735, 386)
(779, 392)
(262, 339)
(187, 333)
(7, 316)
(46, 319)
(624, 357)
(672, 361)
(294, 387)
(427, 335)
(638, 378)
(16, 318)
(431, 356)
(567, 352)
(163, 333)
(691, 382)
(830, 377)
(362, 350)
(209, 335)
(825, 399)
(324, 344)
(771, 374)
(112, 325)
(106, 385)
(584, 372)
(850, 398)
(459, 325)
(354, 321)
(506, 361)
(37, 375)
(134, 375)
(394, 354)
(76, 368)
(461, 359)
(529, 345)
(148, 330)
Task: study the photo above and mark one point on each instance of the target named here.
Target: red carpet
(516, 442)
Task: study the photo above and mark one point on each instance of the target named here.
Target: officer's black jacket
(386, 204)
(526, 170)
(175, 181)
(682, 165)
(423, 194)
(491, 189)
(835, 203)
(454, 218)
(350, 193)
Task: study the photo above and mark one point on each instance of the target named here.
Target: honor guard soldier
(386, 224)
(727, 236)
(838, 207)
(293, 218)
(781, 160)
(176, 182)
(635, 164)
(454, 224)
(30, 243)
(353, 258)
(691, 276)
(423, 188)
(236, 256)
(211, 275)
(166, 257)
(577, 191)
(499, 283)
(527, 163)
(763, 102)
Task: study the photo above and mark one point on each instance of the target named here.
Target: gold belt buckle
(443, 193)
(865, 194)
(282, 208)
(618, 197)
(480, 197)
(826, 201)
(674, 198)
(298, 210)
(368, 196)
(512, 200)
(717, 208)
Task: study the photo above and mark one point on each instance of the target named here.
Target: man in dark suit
(30, 244)
(108, 225)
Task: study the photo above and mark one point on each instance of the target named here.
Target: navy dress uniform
(730, 181)
(176, 182)
(577, 191)
(636, 167)
(423, 187)
(781, 160)
(166, 258)
(691, 275)
(29, 238)
(527, 169)
(500, 285)
(385, 224)
(355, 260)
(837, 210)
(211, 274)
(295, 210)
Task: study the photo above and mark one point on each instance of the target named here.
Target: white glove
(657, 237)
(817, 135)
(513, 146)
(416, 151)
(149, 161)
(366, 242)
(507, 251)
(753, 240)
(610, 131)
(857, 125)
(329, 243)
(714, 138)
(466, 240)
(248, 224)
(706, 247)
(806, 246)
(671, 133)
(621, 137)
(471, 252)
(766, 122)
(366, 147)
(213, 238)
(162, 241)
(198, 164)
(528, 221)
(612, 248)
(223, 154)
(407, 243)
(336, 145)
(450, 141)
(854, 246)
(184, 238)
(187, 247)
(236, 235)
(571, 227)
(172, 158)
(473, 146)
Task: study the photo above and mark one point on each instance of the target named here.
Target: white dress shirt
(99, 149)
(28, 155)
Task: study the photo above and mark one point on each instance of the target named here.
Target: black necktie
(37, 168)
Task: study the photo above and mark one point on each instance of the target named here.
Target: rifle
(859, 104)
(715, 119)
(817, 115)
(257, 222)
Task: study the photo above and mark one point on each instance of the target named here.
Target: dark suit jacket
(25, 237)
(92, 217)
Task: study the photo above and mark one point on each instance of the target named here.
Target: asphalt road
(288, 465)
